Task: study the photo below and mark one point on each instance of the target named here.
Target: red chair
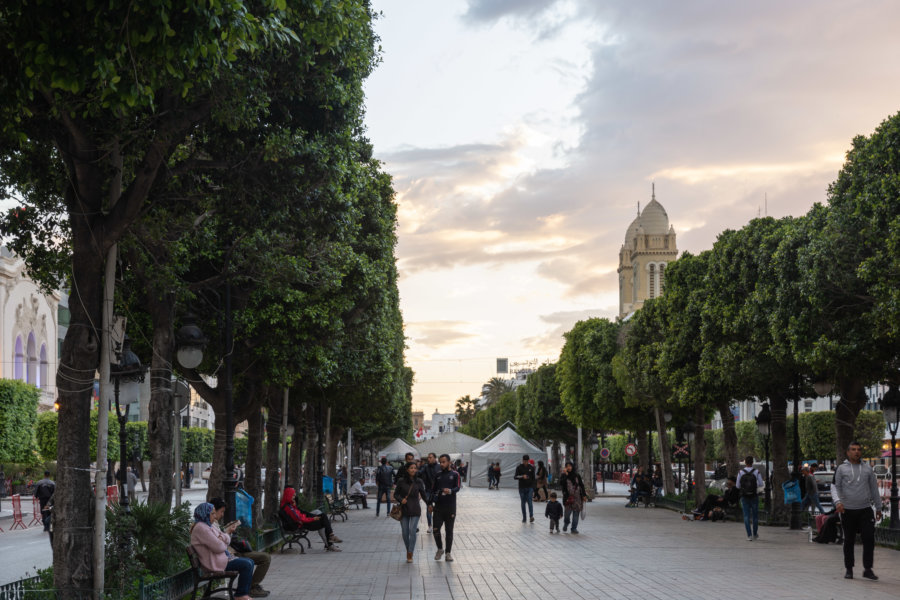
(112, 495)
(36, 516)
(17, 512)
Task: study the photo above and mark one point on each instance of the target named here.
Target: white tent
(507, 448)
(456, 444)
(396, 450)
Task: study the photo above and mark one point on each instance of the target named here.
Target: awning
(887, 453)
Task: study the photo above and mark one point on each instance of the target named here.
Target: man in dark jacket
(429, 473)
(384, 478)
(443, 505)
(526, 477)
(43, 491)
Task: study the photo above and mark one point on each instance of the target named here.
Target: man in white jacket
(854, 492)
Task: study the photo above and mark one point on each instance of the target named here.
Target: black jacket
(521, 471)
(564, 479)
(554, 510)
(416, 492)
(428, 474)
(448, 479)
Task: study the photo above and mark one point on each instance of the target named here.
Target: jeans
(445, 516)
(526, 495)
(244, 567)
(863, 521)
(750, 505)
(571, 515)
(408, 527)
(812, 500)
(383, 491)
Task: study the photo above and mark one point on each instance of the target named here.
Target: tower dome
(654, 218)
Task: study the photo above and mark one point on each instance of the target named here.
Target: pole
(795, 474)
(578, 456)
(349, 455)
(768, 494)
(895, 500)
(176, 413)
(689, 486)
(284, 437)
(230, 483)
(603, 479)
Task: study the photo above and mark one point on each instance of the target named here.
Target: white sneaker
(448, 558)
(749, 538)
(438, 554)
(429, 530)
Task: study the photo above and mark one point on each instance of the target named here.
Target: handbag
(397, 509)
(241, 545)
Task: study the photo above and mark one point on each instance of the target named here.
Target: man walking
(443, 505)
(812, 491)
(384, 478)
(43, 491)
(854, 492)
(429, 473)
(525, 475)
(749, 482)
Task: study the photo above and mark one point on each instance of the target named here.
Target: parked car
(823, 482)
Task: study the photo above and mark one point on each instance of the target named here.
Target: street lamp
(130, 372)
(890, 406)
(595, 443)
(764, 424)
(191, 341)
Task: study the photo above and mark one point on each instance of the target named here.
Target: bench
(201, 576)
(356, 501)
(294, 536)
(335, 508)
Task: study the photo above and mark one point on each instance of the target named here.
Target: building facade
(649, 246)
(29, 336)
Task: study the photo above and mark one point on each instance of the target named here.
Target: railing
(16, 590)
(267, 538)
(887, 537)
(169, 588)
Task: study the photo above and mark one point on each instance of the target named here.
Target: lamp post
(130, 372)
(890, 406)
(595, 443)
(795, 472)
(667, 418)
(764, 424)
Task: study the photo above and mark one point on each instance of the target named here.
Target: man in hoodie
(428, 473)
(854, 491)
(443, 506)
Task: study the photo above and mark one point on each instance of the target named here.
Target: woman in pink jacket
(211, 545)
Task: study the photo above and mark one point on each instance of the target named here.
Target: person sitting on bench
(295, 518)
(730, 498)
(358, 493)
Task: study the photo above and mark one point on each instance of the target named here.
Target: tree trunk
(273, 464)
(160, 432)
(853, 399)
(256, 424)
(664, 453)
(334, 437)
(699, 450)
(729, 438)
(556, 458)
(780, 474)
(217, 471)
(79, 360)
(643, 444)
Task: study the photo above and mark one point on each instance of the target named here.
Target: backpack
(384, 476)
(747, 483)
(829, 531)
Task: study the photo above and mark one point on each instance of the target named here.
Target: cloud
(552, 340)
(437, 334)
(490, 11)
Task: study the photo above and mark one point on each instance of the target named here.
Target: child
(554, 512)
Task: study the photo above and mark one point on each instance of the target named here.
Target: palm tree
(494, 388)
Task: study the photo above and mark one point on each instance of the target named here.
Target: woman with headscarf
(211, 544)
(408, 491)
(541, 482)
(302, 519)
(574, 495)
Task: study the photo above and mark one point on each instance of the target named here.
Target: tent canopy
(455, 444)
(507, 448)
(396, 450)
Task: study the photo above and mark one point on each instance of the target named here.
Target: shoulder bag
(397, 509)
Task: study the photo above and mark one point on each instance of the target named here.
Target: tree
(494, 388)
(539, 414)
(466, 407)
(18, 417)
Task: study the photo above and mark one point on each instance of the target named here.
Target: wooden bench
(335, 508)
(294, 536)
(201, 576)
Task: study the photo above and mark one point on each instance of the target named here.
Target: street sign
(630, 450)
(604, 453)
(680, 450)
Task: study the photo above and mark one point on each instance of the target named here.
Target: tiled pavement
(619, 553)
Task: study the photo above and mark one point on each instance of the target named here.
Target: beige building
(649, 246)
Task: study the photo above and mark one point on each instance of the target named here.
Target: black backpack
(748, 483)
(384, 477)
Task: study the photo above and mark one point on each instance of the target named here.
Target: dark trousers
(385, 492)
(525, 497)
(860, 520)
(320, 523)
(446, 516)
(361, 498)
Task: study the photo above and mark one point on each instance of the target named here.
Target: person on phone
(211, 545)
(241, 548)
(526, 477)
(574, 496)
(295, 518)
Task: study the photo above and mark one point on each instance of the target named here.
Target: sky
(522, 134)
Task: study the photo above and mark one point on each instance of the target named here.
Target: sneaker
(523, 519)
(438, 554)
(335, 539)
(868, 574)
(848, 574)
(448, 558)
(429, 530)
(749, 538)
(532, 519)
(332, 548)
(755, 537)
(258, 592)
(574, 531)
(565, 528)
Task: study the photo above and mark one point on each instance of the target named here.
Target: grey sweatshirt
(855, 487)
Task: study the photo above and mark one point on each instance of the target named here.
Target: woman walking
(574, 496)
(408, 491)
(541, 481)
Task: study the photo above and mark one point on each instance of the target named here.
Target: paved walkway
(619, 553)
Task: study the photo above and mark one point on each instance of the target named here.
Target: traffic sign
(604, 453)
(630, 450)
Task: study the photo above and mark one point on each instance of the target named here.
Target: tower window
(652, 281)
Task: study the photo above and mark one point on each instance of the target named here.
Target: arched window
(652, 281)
(44, 372)
(32, 370)
(662, 278)
(19, 371)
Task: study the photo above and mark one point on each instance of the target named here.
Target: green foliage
(45, 432)
(540, 414)
(466, 407)
(240, 450)
(197, 444)
(870, 432)
(817, 435)
(18, 417)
